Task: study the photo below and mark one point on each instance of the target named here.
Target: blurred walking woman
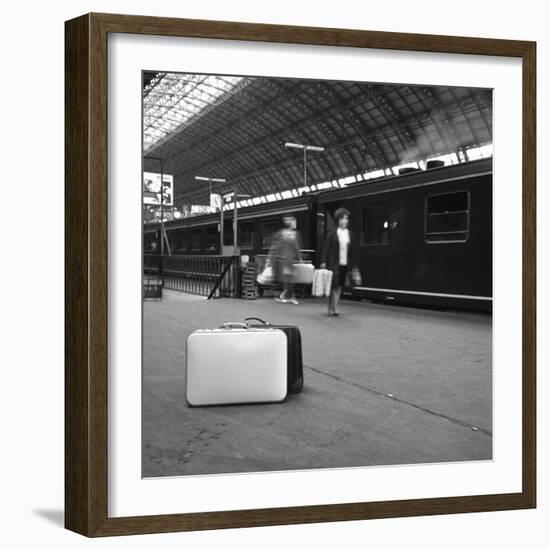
(284, 253)
(337, 256)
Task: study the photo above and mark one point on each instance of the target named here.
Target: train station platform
(383, 385)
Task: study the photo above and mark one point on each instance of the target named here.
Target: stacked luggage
(243, 363)
(249, 290)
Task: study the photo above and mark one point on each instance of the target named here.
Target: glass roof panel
(171, 101)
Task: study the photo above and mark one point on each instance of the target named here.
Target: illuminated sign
(201, 209)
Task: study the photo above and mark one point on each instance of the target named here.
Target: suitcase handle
(255, 319)
(234, 325)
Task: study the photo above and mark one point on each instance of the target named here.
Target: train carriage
(422, 238)
(199, 235)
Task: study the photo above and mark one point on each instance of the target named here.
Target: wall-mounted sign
(151, 214)
(215, 201)
(151, 189)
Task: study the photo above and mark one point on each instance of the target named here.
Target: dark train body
(421, 238)
(257, 226)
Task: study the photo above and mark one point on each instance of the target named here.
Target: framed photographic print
(300, 275)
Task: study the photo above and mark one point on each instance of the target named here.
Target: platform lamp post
(162, 231)
(305, 148)
(236, 197)
(215, 180)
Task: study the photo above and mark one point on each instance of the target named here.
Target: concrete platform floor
(383, 385)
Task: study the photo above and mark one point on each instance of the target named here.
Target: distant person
(284, 253)
(337, 256)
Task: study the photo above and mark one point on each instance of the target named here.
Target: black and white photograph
(292, 293)
(317, 274)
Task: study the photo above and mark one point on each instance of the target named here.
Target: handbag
(266, 276)
(353, 278)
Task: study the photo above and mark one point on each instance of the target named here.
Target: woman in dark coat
(337, 256)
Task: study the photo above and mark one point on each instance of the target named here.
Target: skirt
(339, 276)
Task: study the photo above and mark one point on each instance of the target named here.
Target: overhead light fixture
(215, 180)
(291, 145)
(305, 148)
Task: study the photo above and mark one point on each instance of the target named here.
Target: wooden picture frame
(86, 281)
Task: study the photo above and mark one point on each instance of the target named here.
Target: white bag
(327, 281)
(316, 285)
(322, 280)
(266, 277)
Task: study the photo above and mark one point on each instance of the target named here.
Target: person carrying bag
(283, 256)
(337, 256)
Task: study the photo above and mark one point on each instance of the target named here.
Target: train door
(246, 236)
(325, 223)
(211, 240)
(457, 237)
(379, 230)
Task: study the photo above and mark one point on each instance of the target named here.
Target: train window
(268, 232)
(181, 246)
(376, 225)
(246, 234)
(211, 239)
(196, 239)
(448, 217)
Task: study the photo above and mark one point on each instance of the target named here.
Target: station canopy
(235, 128)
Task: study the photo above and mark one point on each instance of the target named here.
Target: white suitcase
(236, 365)
(303, 273)
(327, 281)
(322, 281)
(317, 284)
